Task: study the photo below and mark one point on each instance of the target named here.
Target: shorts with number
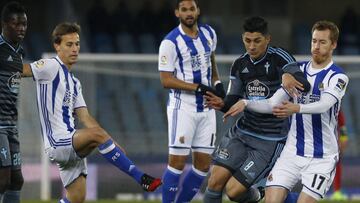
(191, 130)
(316, 174)
(10, 148)
(71, 166)
(248, 158)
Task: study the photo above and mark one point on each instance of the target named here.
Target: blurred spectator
(349, 42)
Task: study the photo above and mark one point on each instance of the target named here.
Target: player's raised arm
(26, 70)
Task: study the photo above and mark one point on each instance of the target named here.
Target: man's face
(14, 29)
(255, 44)
(321, 46)
(188, 13)
(68, 49)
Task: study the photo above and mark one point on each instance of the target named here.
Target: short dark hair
(327, 25)
(256, 24)
(179, 1)
(63, 29)
(11, 8)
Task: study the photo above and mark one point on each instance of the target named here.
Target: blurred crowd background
(127, 98)
(127, 26)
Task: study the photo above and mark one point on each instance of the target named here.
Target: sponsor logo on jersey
(14, 82)
(245, 70)
(10, 58)
(69, 99)
(257, 90)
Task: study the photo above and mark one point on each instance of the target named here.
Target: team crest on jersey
(163, 60)
(340, 85)
(257, 90)
(14, 82)
(321, 86)
(270, 177)
(39, 63)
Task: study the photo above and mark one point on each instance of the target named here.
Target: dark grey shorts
(250, 159)
(10, 148)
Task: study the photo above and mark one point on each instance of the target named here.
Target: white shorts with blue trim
(71, 166)
(315, 174)
(195, 131)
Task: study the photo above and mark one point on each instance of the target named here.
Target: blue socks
(191, 185)
(170, 180)
(64, 200)
(116, 157)
(292, 197)
(12, 196)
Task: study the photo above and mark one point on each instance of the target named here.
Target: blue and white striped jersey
(58, 95)
(315, 135)
(189, 59)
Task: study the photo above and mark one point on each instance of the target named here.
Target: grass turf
(114, 201)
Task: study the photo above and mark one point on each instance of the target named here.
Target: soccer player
(311, 150)
(59, 97)
(14, 25)
(187, 67)
(248, 151)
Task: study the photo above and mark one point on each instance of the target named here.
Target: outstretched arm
(321, 106)
(260, 106)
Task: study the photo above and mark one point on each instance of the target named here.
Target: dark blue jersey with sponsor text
(11, 66)
(256, 80)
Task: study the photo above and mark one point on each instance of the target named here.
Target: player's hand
(213, 101)
(291, 85)
(286, 109)
(205, 90)
(235, 109)
(220, 90)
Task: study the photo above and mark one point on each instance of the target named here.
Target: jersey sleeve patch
(340, 85)
(39, 63)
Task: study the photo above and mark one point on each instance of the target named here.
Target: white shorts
(316, 174)
(191, 130)
(71, 166)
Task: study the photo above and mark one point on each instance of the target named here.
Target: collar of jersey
(307, 67)
(262, 58)
(6, 42)
(186, 36)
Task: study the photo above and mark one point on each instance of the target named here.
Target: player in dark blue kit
(14, 25)
(248, 151)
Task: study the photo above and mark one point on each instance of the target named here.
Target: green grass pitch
(113, 201)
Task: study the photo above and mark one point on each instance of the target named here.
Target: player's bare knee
(100, 135)
(202, 167)
(215, 183)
